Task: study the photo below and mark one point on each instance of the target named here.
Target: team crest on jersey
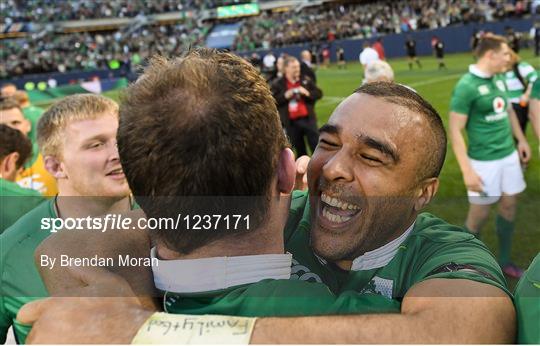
(498, 104)
(500, 85)
(483, 89)
(380, 286)
(301, 272)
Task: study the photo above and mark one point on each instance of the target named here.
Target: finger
(302, 164)
(31, 312)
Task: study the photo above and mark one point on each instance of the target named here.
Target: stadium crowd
(366, 20)
(53, 52)
(46, 11)
(86, 51)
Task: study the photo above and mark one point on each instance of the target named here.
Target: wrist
(164, 328)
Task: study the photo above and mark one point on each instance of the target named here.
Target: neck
(291, 79)
(77, 207)
(264, 241)
(347, 264)
(483, 66)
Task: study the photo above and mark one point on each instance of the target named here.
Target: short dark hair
(489, 42)
(205, 124)
(433, 161)
(11, 141)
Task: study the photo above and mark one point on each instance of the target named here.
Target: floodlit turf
(451, 202)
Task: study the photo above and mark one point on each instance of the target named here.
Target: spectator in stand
(295, 98)
(378, 46)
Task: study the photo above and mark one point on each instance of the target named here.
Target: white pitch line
(435, 80)
(338, 99)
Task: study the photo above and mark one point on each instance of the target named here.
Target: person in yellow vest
(34, 176)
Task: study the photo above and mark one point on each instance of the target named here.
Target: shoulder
(443, 250)
(27, 226)
(437, 230)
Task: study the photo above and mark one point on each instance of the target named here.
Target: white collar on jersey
(208, 274)
(476, 71)
(382, 256)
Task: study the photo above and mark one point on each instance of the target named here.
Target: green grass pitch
(451, 201)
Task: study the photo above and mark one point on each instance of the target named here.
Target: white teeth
(333, 217)
(334, 202)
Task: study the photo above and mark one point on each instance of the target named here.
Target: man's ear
(54, 167)
(427, 190)
(8, 166)
(286, 171)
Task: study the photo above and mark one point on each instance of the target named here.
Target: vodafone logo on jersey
(498, 104)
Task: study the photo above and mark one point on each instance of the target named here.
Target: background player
(490, 164)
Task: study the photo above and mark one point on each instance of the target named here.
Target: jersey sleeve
(535, 93)
(461, 100)
(527, 302)
(464, 257)
(528, 72)
(5, 319)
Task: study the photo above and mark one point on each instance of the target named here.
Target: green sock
(505, 228)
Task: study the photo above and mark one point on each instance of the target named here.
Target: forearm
(534, 116)
(454, 321)
(460, 150)
(333, 330)
(516, 129)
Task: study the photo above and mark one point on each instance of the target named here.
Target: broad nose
(339, 167)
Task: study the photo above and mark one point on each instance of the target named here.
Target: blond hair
(71, 108)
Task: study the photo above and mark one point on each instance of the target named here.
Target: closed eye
(327, 142)
(371, 158)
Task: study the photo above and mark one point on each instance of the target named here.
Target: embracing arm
(90, 243)
(434, 311)
(452, 311)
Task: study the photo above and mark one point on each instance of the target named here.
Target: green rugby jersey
(15, 201)
(515, 87)
(527, 301)
(433, 249)
(535, 92)
(268, 298)
(20, 282)
(483, 99)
